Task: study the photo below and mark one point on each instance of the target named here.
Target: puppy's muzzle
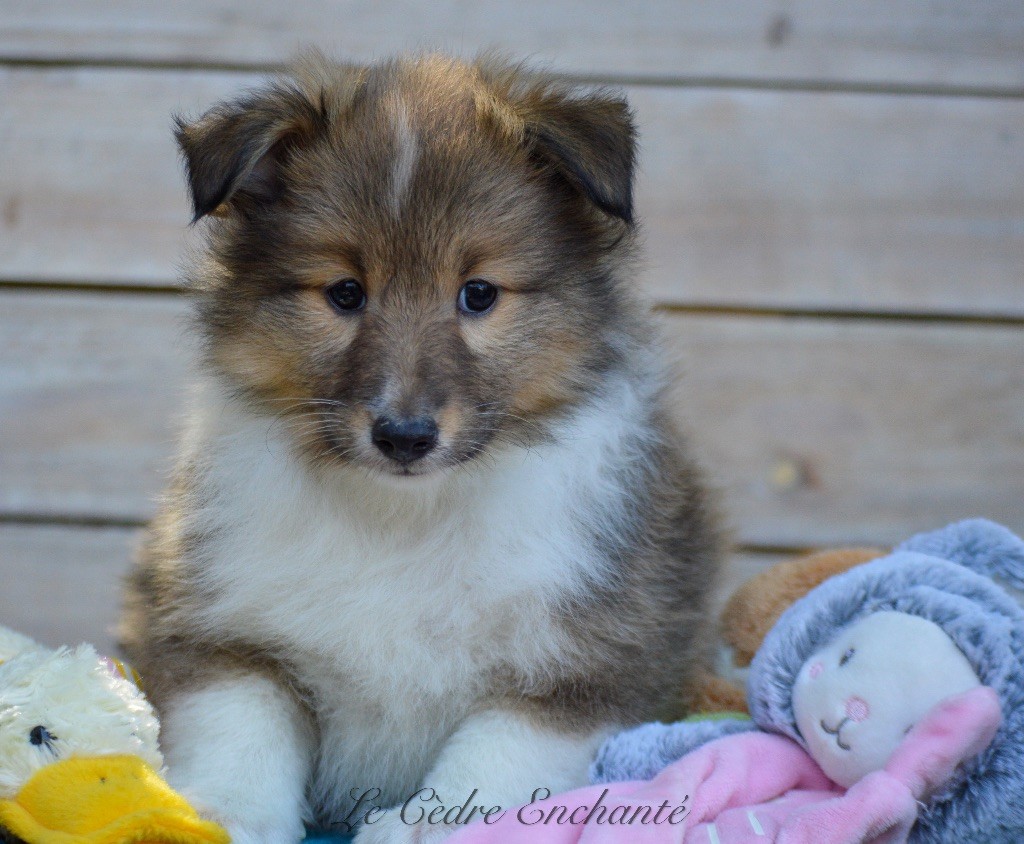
(404, 439)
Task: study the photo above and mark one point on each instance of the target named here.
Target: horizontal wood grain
(846, 202)
(62, 584)
(921, 42)
(818, 431)
(826, 432)
(750, 199)
(91, 388)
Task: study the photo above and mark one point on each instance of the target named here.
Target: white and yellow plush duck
(79, 758)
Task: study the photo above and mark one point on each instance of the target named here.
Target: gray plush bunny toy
(964, 581)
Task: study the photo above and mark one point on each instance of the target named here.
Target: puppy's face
(412, 261)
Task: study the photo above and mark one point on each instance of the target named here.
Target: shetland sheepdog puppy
(432, 534)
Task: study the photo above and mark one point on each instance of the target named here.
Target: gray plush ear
(642, 752)
(978, 544)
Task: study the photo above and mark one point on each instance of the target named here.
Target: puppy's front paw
(253, 826)
(243, 832)
(387, 829)
(391, 829)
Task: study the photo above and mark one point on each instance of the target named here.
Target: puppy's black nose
(405, 440)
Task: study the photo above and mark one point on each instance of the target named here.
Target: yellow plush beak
(104, 800)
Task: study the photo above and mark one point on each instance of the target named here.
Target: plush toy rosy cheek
(857, 698)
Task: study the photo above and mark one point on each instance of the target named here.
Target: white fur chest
(386, 594)
(396, 588)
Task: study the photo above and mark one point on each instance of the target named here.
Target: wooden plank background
(925, 43)
(833, 198)
(821, 431)
(778, 199)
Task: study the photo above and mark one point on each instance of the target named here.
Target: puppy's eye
(39, 736)
(846, 657)
(347, 295)
(477, 296)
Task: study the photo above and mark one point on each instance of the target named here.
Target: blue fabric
(964, 578)
(316, 837)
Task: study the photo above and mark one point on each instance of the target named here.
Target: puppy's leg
(506, 756)
(239, 749)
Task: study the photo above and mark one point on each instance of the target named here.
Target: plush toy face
(856, 698)
(58, 704)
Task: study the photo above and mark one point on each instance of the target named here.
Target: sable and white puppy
(431, 525)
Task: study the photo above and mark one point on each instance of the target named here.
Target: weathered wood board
(62, 584)
(90, 389)
(834, 202)
(820, 431)
(831, 432)
(750, 199)
(920, 42)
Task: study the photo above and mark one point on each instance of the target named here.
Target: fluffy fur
(315, 619)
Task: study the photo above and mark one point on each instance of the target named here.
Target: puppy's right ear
(237, 148)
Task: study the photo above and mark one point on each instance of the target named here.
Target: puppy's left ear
(590, 139)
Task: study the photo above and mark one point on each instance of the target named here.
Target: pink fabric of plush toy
(754, 788)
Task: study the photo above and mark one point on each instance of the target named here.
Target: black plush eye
(347, 295)
(846, 657)
(41, 737)
(477, 296)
